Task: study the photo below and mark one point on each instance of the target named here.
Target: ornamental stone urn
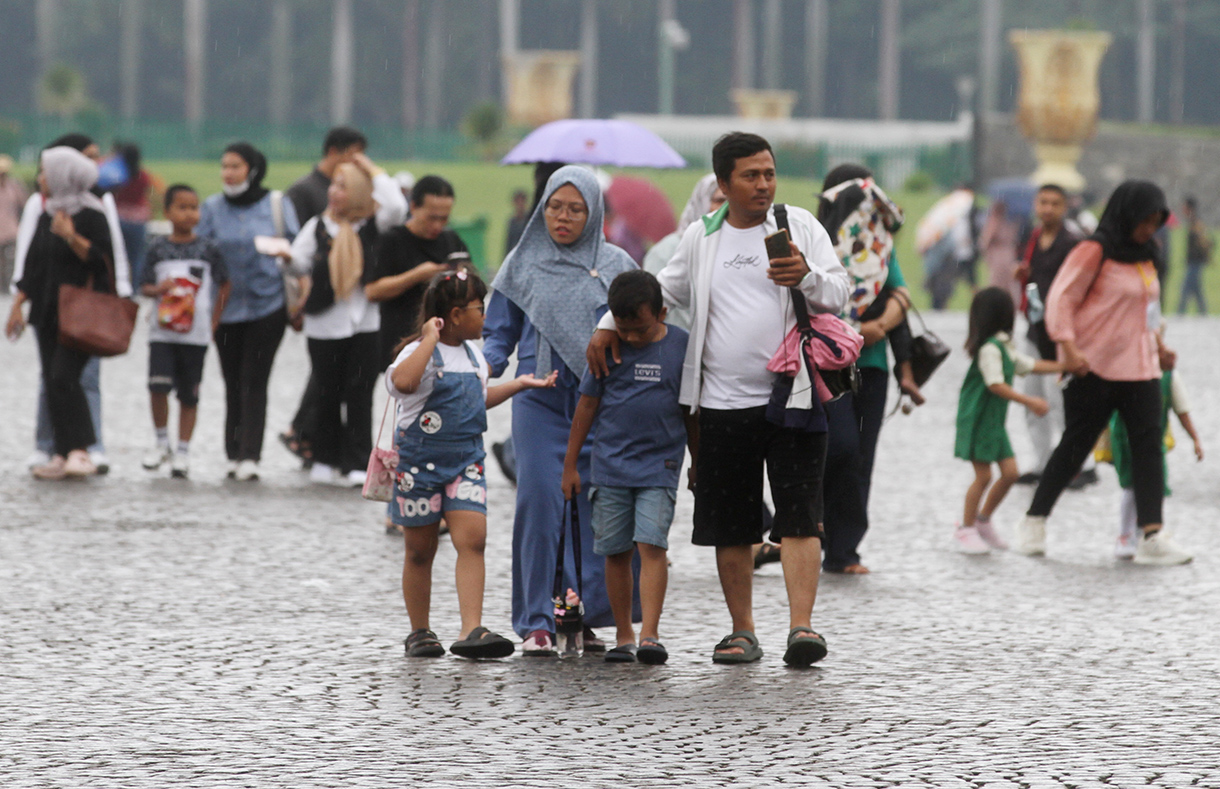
(540, 85)
(1059, 100)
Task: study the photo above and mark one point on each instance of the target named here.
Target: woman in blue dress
(547, 298)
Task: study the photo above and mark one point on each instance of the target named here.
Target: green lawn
(485, 189)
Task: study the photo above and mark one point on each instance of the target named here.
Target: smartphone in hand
(777, 245)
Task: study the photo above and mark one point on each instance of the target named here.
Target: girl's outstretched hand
(1038, 406)
(530, 381)
(431, 330)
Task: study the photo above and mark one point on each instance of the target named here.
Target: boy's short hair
(1056, 188)
(633, 289)
(172, 191)
(733, 146)
(341, 138)
(430, 185)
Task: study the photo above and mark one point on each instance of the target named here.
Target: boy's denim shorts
(624, 516)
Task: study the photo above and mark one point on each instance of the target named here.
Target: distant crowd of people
(757, 337)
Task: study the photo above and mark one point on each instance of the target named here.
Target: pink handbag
(379, 477)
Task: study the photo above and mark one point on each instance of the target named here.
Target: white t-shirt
(745, 323)
(410, 406)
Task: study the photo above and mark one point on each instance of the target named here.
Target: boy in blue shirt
(638, 448)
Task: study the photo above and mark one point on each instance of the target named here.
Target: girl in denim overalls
(440, 381)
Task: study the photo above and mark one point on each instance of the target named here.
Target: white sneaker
(78, 464)
(155, 458)
(181, 466)
(247, 471)
(231, 469)
(1160, 549)
(968, 541)
(100, 460)
(1126, 546)
(990, 535)
(322, 474)
(1031, 536)
(37, 458)
(356, 478)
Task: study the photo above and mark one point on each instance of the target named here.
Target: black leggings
(246, 351)
(67, 407)
(1088, 403)
(345, 371)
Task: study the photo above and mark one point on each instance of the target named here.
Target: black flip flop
(769, 552)
(423, 643)
(803, 652)
(482, 643)
(651, 652)
(623, 653)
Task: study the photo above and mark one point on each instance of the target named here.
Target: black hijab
(1131, 203)
(258, 168)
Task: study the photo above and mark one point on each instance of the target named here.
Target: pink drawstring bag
(379, 477)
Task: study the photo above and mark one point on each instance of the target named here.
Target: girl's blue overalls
(440, 455)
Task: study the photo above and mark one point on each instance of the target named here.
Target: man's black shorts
(733, 445)
(178, 368)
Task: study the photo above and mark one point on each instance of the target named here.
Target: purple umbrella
(600, 142)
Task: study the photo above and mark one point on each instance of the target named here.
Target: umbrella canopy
(941, 218)
(643, 206)
(1017, 195)
(592, 141)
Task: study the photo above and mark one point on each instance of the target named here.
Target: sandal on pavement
(742, 639)
(804, 650)
(651, 652)
(423, 643)
(482, 643)
(769, 552)
(538, 643)
(623, 653)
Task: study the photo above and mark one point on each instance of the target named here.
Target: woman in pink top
(1104, 313)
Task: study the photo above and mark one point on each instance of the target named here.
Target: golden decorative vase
(1059, 101)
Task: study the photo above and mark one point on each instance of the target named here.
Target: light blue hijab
(561, 287)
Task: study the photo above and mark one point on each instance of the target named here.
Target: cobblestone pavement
(160, 633)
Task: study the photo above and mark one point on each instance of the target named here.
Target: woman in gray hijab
(71, 245)
(547, 299)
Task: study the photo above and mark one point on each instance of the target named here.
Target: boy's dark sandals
(769, 552)
(623, 653)
(651, 652)
(482, 643)
(744, 640)
(804, 650)
(423, 643)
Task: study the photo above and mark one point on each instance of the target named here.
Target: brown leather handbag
(93, 322)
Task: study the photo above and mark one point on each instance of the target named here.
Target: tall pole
(817, 41)
(743, 44)
(410, 65)
(131, 24)
(436, 45)
(509, 19)
(888, 59)
(1177, 73)
(990, 30)
(342, 75)
(46, 22)
(194, 30)
(773, 31)
(1145, 59)
(665, 58)
(588, 58)
(279, 102)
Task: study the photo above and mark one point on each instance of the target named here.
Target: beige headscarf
(70, 175)
(346, 260)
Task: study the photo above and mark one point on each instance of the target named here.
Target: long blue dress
(542, 421)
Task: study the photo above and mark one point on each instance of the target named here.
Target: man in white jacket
(741, 310)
